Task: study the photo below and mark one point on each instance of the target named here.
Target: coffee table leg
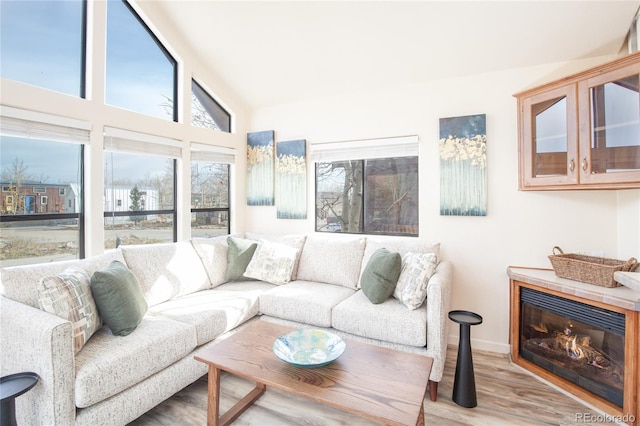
(213, 396)
(213, 403)
(420, 421)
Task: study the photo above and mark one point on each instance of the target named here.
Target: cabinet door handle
(584, 164)
(572, 166)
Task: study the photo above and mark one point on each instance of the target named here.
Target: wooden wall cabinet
(583, 131)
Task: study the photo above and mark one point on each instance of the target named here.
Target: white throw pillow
(417, 269)
(272, 262)
(213, 253)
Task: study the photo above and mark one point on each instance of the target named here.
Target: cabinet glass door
(550, 136)
(611, 149)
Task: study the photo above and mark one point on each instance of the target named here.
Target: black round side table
(464, 385)
(11, 387)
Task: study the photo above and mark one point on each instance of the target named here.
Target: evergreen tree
(135, 196)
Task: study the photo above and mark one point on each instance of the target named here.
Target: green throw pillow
(119, 298)
(380, 276)
(238, 257)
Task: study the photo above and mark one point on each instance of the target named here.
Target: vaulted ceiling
(278, 52)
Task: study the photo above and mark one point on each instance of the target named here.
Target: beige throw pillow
(272, 263)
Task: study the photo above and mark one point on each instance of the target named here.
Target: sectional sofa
(190, 295)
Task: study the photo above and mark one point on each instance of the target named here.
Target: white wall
(520, 228)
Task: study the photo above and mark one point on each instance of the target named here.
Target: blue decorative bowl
(309, 348)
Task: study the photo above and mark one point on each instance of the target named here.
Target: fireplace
(578, 342)
(583, 338)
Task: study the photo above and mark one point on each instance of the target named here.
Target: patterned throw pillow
(417, 268)
(272, 262)
(68, 295)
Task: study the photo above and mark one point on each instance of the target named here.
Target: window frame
(362, 218)
(194, 82)
(217, 209)
(379, 149)
(164, 51)
(173, 212)
(80, 215)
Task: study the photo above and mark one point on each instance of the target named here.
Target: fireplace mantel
(622, 300)
(621, 297)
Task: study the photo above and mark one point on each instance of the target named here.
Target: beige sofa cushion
(109, 364)
(215, 311)
(303, 301)
(390, 321)
(332, 260)
(167, 270)
(20, 283)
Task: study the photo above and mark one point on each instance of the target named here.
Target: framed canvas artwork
(260, 168)
(463, 166)
(291, 179)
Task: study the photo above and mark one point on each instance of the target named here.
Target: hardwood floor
(506, 396)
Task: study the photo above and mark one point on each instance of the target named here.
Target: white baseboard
(483, 345)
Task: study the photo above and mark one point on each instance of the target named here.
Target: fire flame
(573, 350)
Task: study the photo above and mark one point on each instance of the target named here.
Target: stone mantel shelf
(628, 279)
(622, 297)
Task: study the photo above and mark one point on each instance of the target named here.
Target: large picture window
(141, 74)
(43, 43)
(368, 196)
(367, 186)
(209, 199)
(41, 209)
(139, 190)
(210, 189)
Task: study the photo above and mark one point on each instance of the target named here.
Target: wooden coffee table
(376, 383)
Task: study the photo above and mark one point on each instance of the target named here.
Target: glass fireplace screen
(578, 342)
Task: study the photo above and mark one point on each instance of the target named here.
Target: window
(39, 189)
(371, 195)
(210, 170)
(206, 112)
(43, 43)
(140, 188)
(62, 191)
(141, 75)
(39, 230)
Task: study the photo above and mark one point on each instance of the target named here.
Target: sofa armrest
(37, 341)
(438, 303)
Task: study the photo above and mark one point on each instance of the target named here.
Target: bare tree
(15, 176)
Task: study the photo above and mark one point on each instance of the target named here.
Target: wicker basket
(589, 269)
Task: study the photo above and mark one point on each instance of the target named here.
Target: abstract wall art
(463, 166)
(260, 168)
(291, 179)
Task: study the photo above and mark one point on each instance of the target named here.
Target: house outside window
(139, 188)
